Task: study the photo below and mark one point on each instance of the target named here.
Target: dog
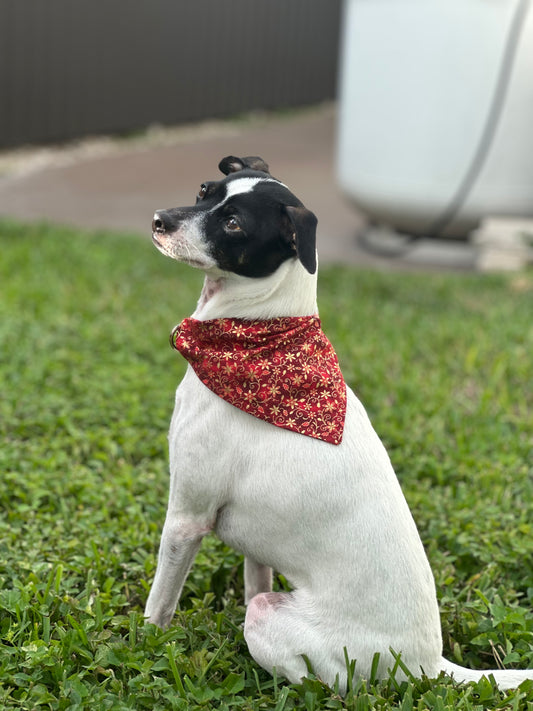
(328, 514)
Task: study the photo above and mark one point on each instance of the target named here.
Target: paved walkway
(117, 184)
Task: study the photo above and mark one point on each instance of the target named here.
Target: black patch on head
(253, 233)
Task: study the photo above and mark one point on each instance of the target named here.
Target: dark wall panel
(70, 68)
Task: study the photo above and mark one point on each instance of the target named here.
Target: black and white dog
(330, 517)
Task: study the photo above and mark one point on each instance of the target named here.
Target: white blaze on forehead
(241, 186)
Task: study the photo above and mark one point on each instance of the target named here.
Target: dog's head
(248, 223)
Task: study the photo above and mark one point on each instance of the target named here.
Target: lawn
(444, 366)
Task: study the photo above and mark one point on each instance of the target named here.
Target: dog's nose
(163, 222)
(158, 223)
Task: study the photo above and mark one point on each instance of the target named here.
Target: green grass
(444, 366)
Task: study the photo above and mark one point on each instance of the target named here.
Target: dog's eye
(232, 225)
(202, 192)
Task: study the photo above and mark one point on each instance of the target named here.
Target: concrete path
(118, 184)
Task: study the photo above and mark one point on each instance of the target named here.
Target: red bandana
(282, 370)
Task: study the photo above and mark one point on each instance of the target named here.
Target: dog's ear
(231, 164)
(299, 229)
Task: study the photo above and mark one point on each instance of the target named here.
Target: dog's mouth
(171, 245)
(162, 244)
(157, 238)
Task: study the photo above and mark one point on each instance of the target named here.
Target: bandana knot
(281, 370)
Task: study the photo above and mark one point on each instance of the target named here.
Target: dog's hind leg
(278, 633)
(257, 579)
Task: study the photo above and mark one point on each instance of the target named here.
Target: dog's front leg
(257, 579)
(180, 541)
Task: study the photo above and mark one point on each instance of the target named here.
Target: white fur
(241, 186)
(332, 519)
(290, 291)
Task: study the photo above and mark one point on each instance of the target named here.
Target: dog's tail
(504, 678)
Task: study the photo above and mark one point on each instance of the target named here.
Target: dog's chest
(245, 475)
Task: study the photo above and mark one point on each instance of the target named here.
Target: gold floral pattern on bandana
(282, 370)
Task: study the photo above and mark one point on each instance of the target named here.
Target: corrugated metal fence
(70, 68)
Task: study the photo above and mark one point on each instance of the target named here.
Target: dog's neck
(290, 291)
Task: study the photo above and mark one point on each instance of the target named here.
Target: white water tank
(435, 127)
